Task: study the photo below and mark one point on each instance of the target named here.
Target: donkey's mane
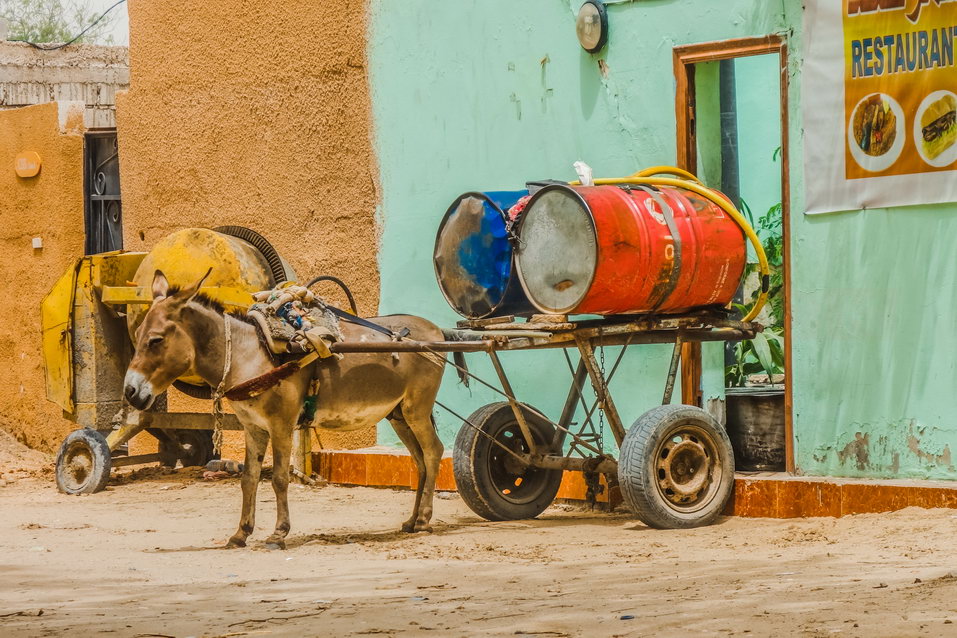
(206, 301)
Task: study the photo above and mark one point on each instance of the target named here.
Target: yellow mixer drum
(242, 263)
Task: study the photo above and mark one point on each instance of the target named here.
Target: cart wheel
(494, 484)
(676, 468)
(198, 444)
(83, 463)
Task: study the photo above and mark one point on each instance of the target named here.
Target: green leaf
(777, 355)
(763, 351)
(752, 368)
(747, 212)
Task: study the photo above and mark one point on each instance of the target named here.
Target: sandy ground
(143, 558)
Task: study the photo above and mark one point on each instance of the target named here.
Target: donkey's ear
(188, 293)
(160, 286)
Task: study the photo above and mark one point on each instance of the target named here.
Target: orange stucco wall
(48, 206)
(233, 116)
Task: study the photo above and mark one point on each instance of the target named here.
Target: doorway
(103, 206)
(732, 131)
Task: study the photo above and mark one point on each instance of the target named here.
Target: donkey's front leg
(256, 441)
(281, 452)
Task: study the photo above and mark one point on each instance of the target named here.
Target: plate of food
(935, 128)
(875, 133)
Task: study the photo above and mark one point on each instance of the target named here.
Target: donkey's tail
(458, 358)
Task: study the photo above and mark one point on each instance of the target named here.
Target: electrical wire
(77, 36)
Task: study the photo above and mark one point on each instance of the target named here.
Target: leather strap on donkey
(365, 323)
(257, 385)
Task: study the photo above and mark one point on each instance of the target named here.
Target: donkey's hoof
(411, 527)
(235, 542)
(275, 544)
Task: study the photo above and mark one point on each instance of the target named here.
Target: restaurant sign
(880, 103)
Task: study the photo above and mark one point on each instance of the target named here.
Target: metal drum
(473, 257)
(627, 250)
(242, 263)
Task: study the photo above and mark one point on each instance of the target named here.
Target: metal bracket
(672, 371)
(517, 407)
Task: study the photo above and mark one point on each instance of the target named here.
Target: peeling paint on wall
(857, 450)
(914, 442)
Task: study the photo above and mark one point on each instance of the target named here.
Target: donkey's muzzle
(137, 390)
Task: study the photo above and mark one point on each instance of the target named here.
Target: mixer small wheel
(83, 463)
(198, 444)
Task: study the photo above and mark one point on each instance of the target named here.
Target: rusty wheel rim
(78, 466)
(514, 481)
(687, 468)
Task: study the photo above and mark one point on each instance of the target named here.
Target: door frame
(685, 57)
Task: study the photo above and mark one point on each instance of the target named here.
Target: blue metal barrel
(473, 257)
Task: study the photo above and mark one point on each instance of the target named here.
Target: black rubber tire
(83, 463)
(276, 265)
(199, 442)
(642, 478)
(194, 391)
(481, 468)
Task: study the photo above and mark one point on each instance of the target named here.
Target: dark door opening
(103, 208)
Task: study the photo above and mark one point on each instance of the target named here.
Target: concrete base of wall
(765, 495)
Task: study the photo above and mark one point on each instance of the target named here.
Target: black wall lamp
(591, 25)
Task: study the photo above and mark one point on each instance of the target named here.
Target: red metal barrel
(627, 250)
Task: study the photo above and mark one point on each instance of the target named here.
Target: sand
(142, 559)
(17, 461)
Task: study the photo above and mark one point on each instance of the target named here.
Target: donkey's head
(164, 350)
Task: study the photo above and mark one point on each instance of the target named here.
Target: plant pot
(755, 424)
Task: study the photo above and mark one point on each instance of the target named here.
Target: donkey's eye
(152, 342)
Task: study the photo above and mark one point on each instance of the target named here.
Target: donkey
(184, 333)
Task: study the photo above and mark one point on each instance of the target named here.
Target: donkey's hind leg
(281, 452)
(408, 438)
(256, 441)
(418, 415)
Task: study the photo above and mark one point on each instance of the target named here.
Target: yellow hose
(666, 170)
(689, 182)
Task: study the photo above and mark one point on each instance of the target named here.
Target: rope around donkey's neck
(218, 413)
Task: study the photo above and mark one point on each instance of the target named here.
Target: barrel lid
(557, 250)
(473, 253)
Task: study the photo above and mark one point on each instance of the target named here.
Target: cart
(675, 467)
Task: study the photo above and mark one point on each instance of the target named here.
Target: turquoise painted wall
(875, 295)
(873, 298)
(485, 94)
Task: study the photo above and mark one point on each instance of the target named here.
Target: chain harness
(592, 481)
(218, 413)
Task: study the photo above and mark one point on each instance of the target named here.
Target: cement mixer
(87, 320)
